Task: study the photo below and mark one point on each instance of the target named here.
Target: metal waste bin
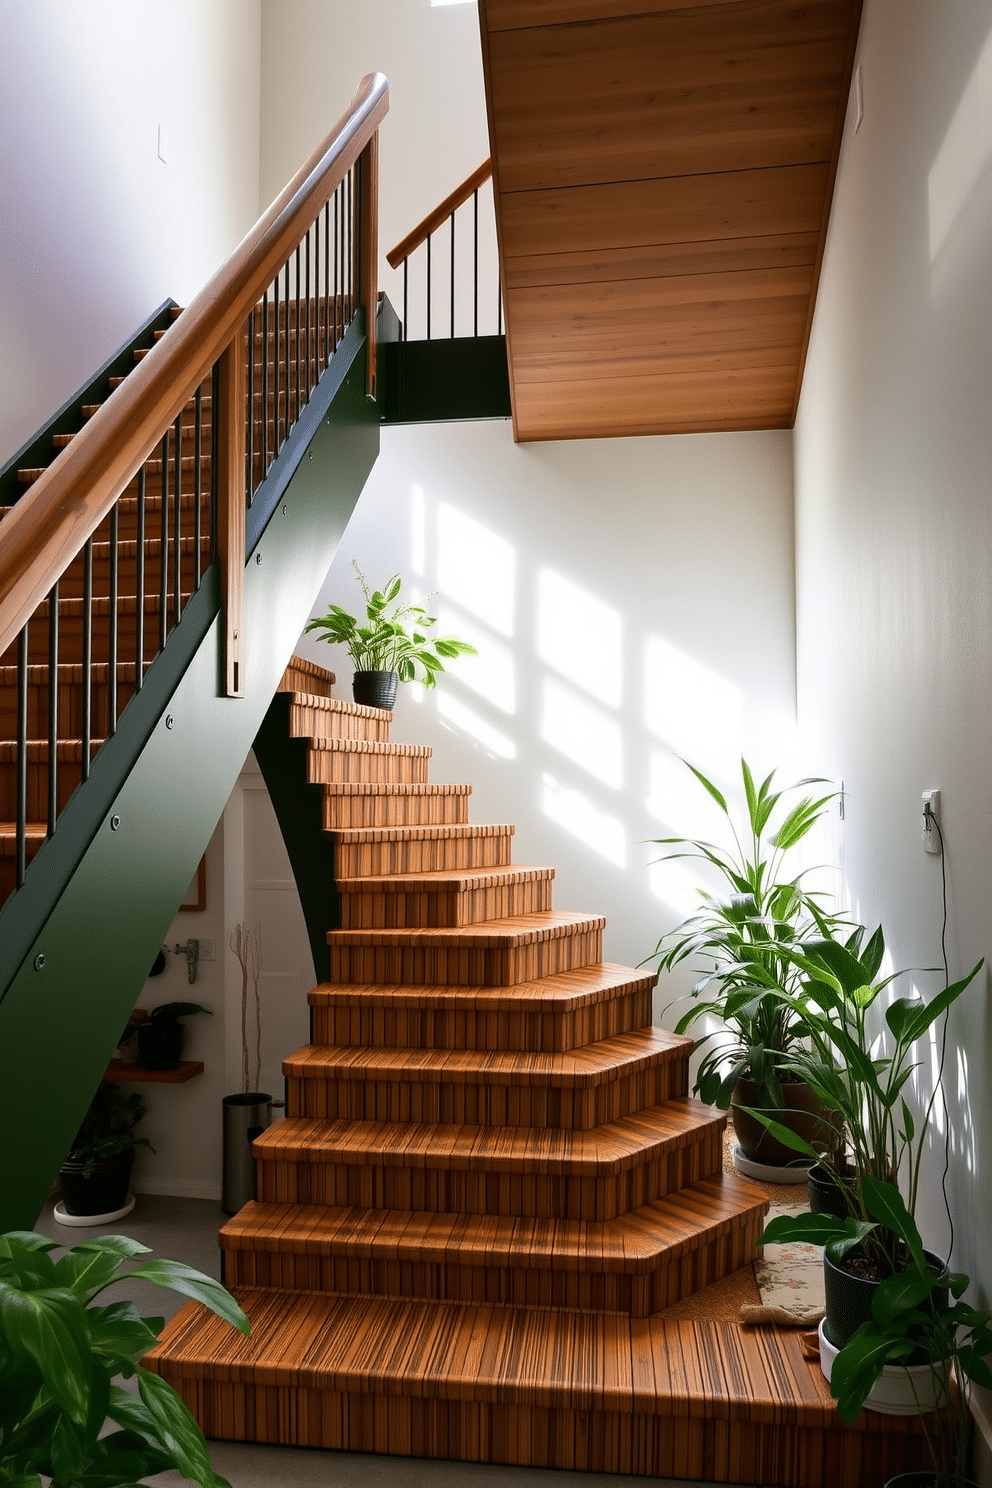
(244, 1117)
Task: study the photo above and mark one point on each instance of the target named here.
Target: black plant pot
(848, 1299)
(374, 689)
(826, 1194)
(803, 1114)
(104, 1191)
(160, 1044)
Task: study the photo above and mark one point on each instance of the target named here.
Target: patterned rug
(790, 1280)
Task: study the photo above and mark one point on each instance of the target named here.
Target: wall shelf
(136, 1074)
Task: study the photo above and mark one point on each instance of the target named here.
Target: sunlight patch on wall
(565, 612)
(418, 530)
(467, 721)
(574, 811)
(475, 568)
(677, 885)
(964, 154)
(698, 713)
(492, 674)
(582, 731)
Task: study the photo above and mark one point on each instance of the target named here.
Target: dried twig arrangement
(247, 946)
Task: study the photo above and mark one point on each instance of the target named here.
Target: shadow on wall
(615, 633)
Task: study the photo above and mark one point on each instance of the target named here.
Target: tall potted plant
(391, 646)
(96, 1174)
(741, 941)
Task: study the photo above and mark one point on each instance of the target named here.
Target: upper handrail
(440, 214)
(50, 524)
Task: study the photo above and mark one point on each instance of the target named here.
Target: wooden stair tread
(598, 1151)
(456, 1351)
(368, 746)
(631, 1244)
(451, 830)
(589, 1065)
(515, 930)
(453, 880)
(34, 836)
(309, 668)
(567, 990)
(323, 704)
(36, 750)
(68, 671)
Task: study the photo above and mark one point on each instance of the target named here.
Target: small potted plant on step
(750, 984)
(392, 645)
(161, 1035)
(96, 1174)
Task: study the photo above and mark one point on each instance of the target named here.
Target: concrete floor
(186, 1230)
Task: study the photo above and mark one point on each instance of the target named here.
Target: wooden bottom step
(361, 851)
(639, 1263)
(544, 1388)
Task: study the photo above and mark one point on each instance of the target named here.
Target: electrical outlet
(208, 950)
(931, 821)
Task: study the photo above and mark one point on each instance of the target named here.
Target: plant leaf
(191, 1283)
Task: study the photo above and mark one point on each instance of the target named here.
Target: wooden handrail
(439, 215)
(52, 521)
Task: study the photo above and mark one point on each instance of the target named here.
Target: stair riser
(481, 1105)
(70, 709)
(501, 1284)
(421, 855)
(454, 1191)
(683, 1442)
(354, 767)
(367, 911)
(318, 723)
(478, 966)
(71, 582)
(71, 638)
(69, 774)
(541, 1032)
(434, 810)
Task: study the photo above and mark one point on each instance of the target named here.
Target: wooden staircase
(490, 1184)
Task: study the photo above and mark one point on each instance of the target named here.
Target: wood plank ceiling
(663, 172)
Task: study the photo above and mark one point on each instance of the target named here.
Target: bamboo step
(313, 716)
(362, 852)
(69, 697)
(555, 1172)
(306, 676)
(552, 1014)
(500, 953)
(350, 761)
(579, 1089)
(368, 804)
(35, 832)
(638, 1263)
(68, 773)
(599, 1392)
(444, 897)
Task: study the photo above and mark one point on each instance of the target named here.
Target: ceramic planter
(104, 1191)
(374, 689)
(848, 1299)
(160, 1043)
(826, 1196)
(802, 1114)
(903, 1390)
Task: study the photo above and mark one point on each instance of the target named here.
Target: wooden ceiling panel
(662, 174)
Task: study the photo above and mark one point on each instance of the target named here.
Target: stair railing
(249, 350)
(446, 269)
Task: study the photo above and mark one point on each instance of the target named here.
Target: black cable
(934, 825)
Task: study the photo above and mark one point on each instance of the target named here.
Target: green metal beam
(86, 959)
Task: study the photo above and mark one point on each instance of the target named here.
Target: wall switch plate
(931, 821)
(208, 950)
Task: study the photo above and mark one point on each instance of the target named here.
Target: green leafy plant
(742, 941)
(108, 1127)
(391, 639)
(860, 1069)
(60, 1350)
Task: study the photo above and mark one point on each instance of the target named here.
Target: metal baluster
(21, 825)
(337, 209)
(214, 405)
(53, 706)
(198, 486)
(350, 304)
(163, 614)
(307, 303)
(475, 269)
(139, 598)
(275, 372)
(298, 334)
(452, 276)
(265, 384)
(406, 312)
(177, 527)
(112, 640)
(327, 282)
(87, 655)
(316, 294)
(289, 364)
(428, 286)
(250, 441)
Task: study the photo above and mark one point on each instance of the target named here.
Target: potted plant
(750, 983)
(62, 1345)
(391, 646)
(96, 1173)
(161, 1035)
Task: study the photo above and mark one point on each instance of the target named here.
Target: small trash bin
(244, 1117)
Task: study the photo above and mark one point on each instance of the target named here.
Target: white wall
(631, 600)
(893, 451)
(96, 230)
